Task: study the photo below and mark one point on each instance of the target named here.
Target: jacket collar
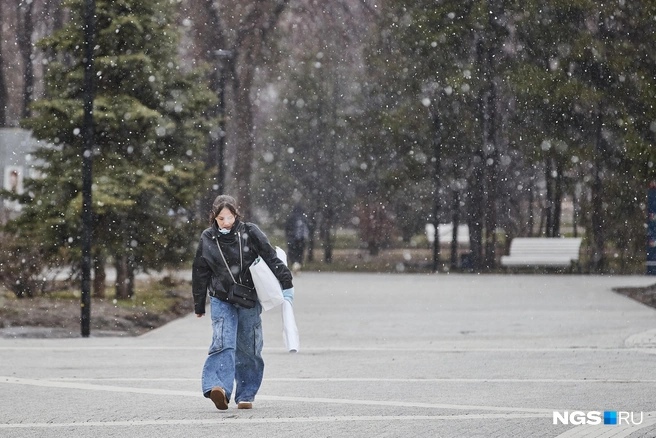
(229, 236)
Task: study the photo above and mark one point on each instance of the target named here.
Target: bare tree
(4, 95)
(24, 36)
(233, 37)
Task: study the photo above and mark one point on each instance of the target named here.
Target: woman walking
(225, 251)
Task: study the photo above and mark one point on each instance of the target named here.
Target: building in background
(16, 164)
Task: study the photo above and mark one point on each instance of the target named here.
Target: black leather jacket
(209, 272)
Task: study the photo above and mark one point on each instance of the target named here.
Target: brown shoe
(217, 395)
(245, 405)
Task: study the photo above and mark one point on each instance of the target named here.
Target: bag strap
(241, 259)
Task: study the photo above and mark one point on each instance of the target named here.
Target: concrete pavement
(382, 355)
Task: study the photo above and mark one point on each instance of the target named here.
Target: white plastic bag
(271, 297)
(289, 329)
(282, 255)
(267, 286)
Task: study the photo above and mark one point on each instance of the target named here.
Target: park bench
(556, 252)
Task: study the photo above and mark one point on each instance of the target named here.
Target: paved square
(382, 355)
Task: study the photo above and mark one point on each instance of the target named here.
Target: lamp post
(87, 162)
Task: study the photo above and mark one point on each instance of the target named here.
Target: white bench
(557, 252)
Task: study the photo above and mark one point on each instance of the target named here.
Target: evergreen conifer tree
(150, 133)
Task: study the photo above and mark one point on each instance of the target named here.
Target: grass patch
(154, 304)
(151, 296)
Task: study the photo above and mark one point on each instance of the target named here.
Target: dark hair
(221, 202)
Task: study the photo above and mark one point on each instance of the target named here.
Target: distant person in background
(297, 233)
(13, 181)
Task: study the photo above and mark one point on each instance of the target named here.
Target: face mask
(224, 230)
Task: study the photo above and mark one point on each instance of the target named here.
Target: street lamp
(87, 162)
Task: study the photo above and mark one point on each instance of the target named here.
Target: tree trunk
(327, 226)
(455, 221)
(242, 43)
(244, 139)
(476, 211)
(24, 37)
(541, 226)
(131, 282)
(4, 95)
(437, 155)
(327, 132)
(554, 195)
(531, 214)
(220, 67)
(475, 214)
(312, 227)
(121, 284)
(558, 198)
(575, 209)
(491, 215)
(54, 11)
(493, 175)
(100, 276)
(597, 219)
(491, 134)
(548, 170)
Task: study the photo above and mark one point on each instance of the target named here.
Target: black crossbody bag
(238, 293)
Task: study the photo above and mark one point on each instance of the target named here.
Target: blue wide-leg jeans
(236, 351)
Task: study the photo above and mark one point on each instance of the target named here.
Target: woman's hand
(199, 315)
(288, 294)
